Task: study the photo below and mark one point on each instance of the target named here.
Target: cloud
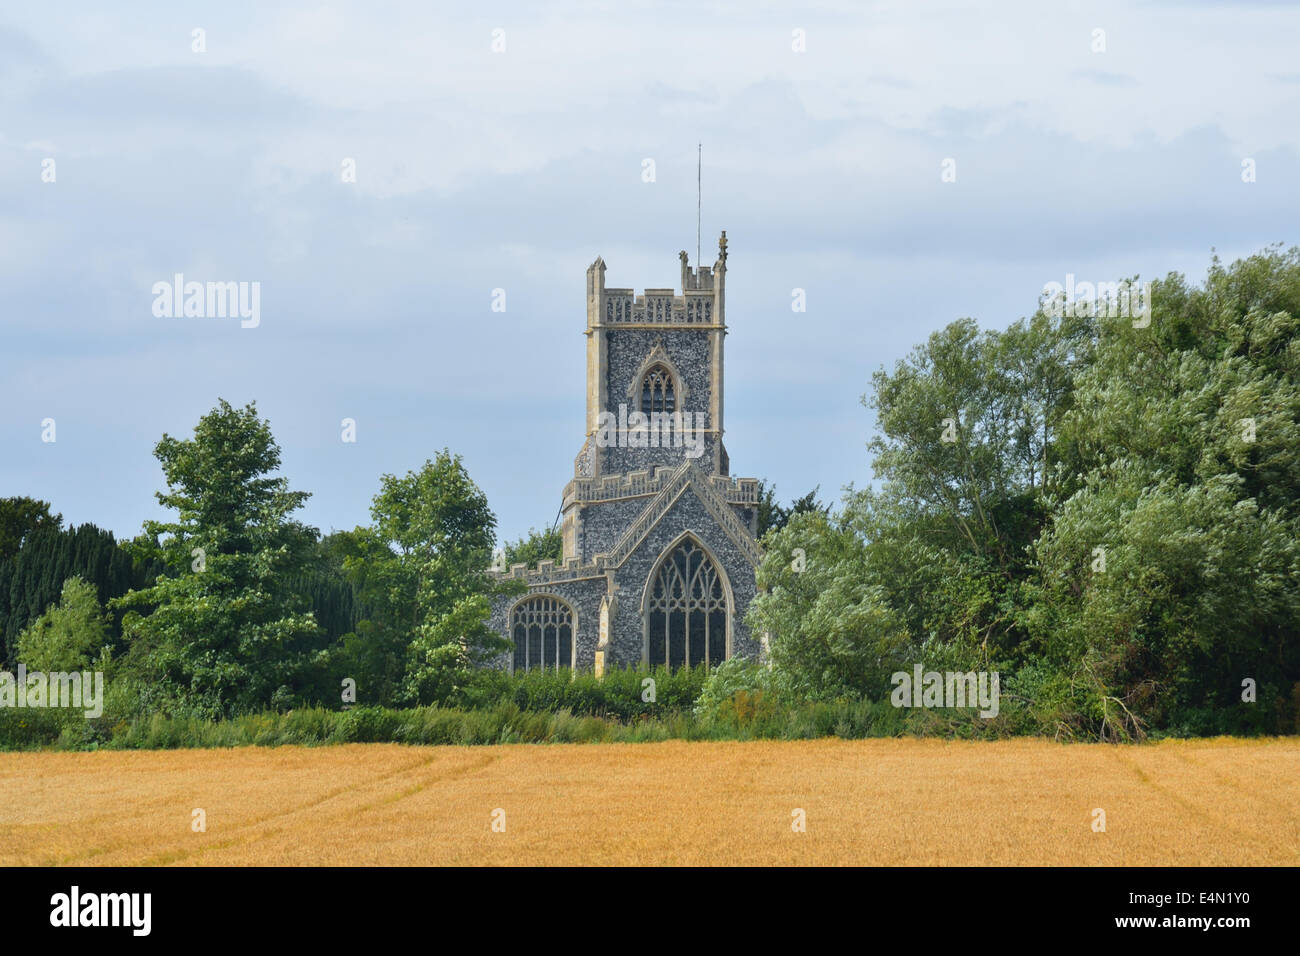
(478, 171)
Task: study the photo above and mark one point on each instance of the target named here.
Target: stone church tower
(659, 539)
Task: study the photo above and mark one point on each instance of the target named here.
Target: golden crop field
(1207, 802)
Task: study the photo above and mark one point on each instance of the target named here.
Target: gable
(688, 502)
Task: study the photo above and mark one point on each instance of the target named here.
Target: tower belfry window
(657, 391)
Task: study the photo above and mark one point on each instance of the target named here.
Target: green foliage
(220, 631)
(740, 695)
(330, 592)
(70, 636)
(32, 579)
(19, 518)
(1183, 453)
(835, 633)
(744, 716)
(327, 588)
(419, 571)
(772, 516)
(537, 546)
(1011, 463)
(729, 677)
(373, 651)
(32, 728)
(966, 453)
(618, 695)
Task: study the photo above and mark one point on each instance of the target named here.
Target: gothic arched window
(543, 631)
(686, 610)
(657, 391)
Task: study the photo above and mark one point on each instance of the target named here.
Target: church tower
(659, 352)
(659, 540)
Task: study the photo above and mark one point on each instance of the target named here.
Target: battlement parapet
(548, 572)
(700, 301)
(633, 484)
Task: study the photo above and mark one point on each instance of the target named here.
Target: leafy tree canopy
(19, 517)
(536, 546)
(421, 570)
(70, 636)
(220, 631)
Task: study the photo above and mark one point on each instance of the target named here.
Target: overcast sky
(478, 170)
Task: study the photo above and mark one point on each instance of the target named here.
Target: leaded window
(543, 631)
(687, 610)
(657, 391)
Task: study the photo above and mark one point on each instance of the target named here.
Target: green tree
(966, 425)
(32, 579)
(328, 590)
(373, 653)
(773, 516)
(19, 517)
(71, 635)
(770, 513)
(536, 546)
(965, 450)
(1171, 561)
(422, 570)
(1107, 511)
(221, 630)
(832, 630)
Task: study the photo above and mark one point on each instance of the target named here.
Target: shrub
(367, 725)
(27, 729)
(729, 679)
(618, 695)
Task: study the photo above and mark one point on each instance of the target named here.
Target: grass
(888, 801)
(502, 722)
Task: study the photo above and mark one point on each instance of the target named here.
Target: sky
(505, 147)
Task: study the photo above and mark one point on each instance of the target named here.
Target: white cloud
(479, 170)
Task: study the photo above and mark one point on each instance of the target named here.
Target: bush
(367, 725)
(618, 695)
(728, 679)
(736, 701)
(28, 729)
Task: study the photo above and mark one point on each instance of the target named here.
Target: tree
(809, 504)
(328, 590)
(221, 630)
(833, 632)
(1171, 558)
(772, 516)
(326, 587)
(770, 512)
(1104, 510)
(19, 517)
(70, 636)
(537, 546)
(32, 579)
(373, 653)
(423, 565)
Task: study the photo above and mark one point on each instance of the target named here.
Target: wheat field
(890, 802)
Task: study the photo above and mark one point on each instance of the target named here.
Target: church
(660, 542)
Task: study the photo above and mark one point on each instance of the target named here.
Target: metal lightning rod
(699, 162)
